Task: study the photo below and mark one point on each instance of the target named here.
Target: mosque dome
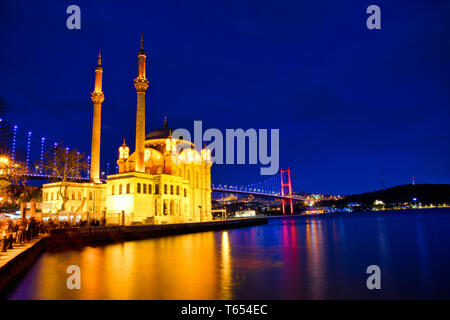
(161, 133)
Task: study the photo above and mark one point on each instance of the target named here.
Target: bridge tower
(289, 186)
(97, 97)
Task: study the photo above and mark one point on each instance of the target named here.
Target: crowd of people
(18, 232)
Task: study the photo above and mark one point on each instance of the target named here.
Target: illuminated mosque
(165, 180)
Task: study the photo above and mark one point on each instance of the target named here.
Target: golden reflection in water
(225, 275)
(179, 267)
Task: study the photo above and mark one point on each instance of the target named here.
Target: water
(320, 257)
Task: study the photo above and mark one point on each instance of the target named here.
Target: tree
(65, 165)
(12, 173)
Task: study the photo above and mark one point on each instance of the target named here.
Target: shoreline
(17, 263)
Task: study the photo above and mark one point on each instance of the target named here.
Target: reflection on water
(322, 257)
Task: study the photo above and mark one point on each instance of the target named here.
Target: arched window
(157, 188)
(128, 188)
(171, 189)
(196, 179)
(138, 189)
(178, 190)
(165, 188)
(46, 196)
(185, 193)
(150, 189)
(144, 187)
(120, 189)
(51, 196)
(90, 195)
(112, 189)
(73, 195)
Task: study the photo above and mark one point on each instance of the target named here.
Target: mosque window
(144, 186)
(120, 189)
(165, 188)
(138, 188)
(128, 188)
(112, 189)
(171, 189)
(178, 190)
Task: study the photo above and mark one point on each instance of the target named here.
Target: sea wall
(19, 263)
(79, 237)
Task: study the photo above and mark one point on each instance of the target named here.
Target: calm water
(322, 257)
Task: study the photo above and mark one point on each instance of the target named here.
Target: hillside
(425, 193)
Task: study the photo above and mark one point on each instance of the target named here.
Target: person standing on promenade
(4, 227)
(10, 234)
(22, 230)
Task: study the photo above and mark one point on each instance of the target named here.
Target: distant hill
(425, 193)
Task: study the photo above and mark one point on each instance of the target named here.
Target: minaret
(141, 85)
(97, 98)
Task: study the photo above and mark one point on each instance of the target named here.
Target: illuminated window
(120, 189)
(144, 187)
(165, 188)
(128, 188)
(171, 189)
(150, 188)
(196, 179)
(185, 193)
(46, 196)
(57, 196)
(178, 190)
(112, 189)
(138, 188)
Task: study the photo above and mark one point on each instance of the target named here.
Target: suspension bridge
(23, 145)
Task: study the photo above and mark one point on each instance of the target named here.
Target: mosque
(165, 180)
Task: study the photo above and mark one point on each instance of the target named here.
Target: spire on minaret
(165, 122)
(99, 60)
(141, 50)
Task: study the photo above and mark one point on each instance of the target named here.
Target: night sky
(346, 99)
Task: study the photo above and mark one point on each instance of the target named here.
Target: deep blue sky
(345, 99)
